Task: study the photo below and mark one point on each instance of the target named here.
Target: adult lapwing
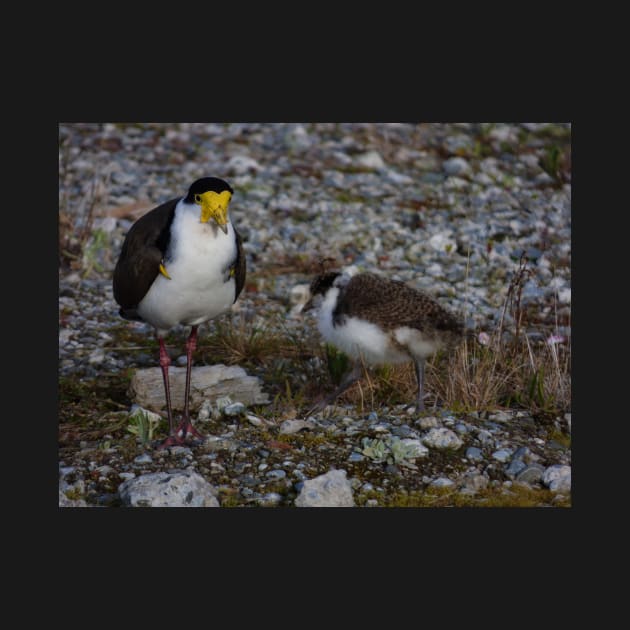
(181, 263)
(379, 321)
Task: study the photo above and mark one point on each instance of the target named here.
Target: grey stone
(297, 138)
(515, 467)
(501, 416)
(178, 449)
(558, 478)
(254, 420)
(355, 457)
(455, 166)
(145, 458)
(419, 449)
(97, 356)
(270, 499)
(249, 480)
(441, 242)
(474, 454)
(429, 422)
(530, 474)
(403, 432)
(241, 165)
(502, 455)
(161, 489)
(381, 427)
(330, 490)
(442, 438)
(485, 437)
(371, 160)
(234, 409)
(276, 474)
(207, 382)
(522, 452)
(205, 411)
(473, 482)
(64, 471)
(289, 427)
(397, 178)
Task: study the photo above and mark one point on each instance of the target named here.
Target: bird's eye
(198, 198)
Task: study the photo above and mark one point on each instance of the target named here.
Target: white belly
(358, 338)
(196, 290)
(361, 339)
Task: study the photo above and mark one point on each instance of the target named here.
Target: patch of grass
(338, 363)
(89, 409)
(507, 370)
(285, 403)
(230, 497)
(551, 161)
(560, 437)
(74, 494)
(343, 196)
(241, 343)
(517, 496)
(559, 133)
(78, 242)
(96, 248)
(354, 169)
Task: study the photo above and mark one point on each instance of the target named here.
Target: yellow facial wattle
(214, 206)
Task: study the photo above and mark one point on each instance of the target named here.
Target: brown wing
(142, 251)
(390, 304)
(239, 265)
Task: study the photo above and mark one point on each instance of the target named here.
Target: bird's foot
(184, 430)
(171, 440)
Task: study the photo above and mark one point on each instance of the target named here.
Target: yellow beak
(215, 206)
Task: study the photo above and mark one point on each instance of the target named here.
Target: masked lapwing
(181, 263)
(378, 321)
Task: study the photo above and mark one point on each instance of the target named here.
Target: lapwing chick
(181, 263)
(378, 321)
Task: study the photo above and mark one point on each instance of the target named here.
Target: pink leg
(185, 426)
(349, 379)
(165, 361)
(420, 377)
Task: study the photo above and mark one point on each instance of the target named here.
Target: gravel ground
(445, 207)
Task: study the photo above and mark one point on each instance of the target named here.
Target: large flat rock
(207, 382)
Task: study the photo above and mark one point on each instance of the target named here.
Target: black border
(386, 89)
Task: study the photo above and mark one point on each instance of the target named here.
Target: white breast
(356, 337)
(359, 338)
(199, 256)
